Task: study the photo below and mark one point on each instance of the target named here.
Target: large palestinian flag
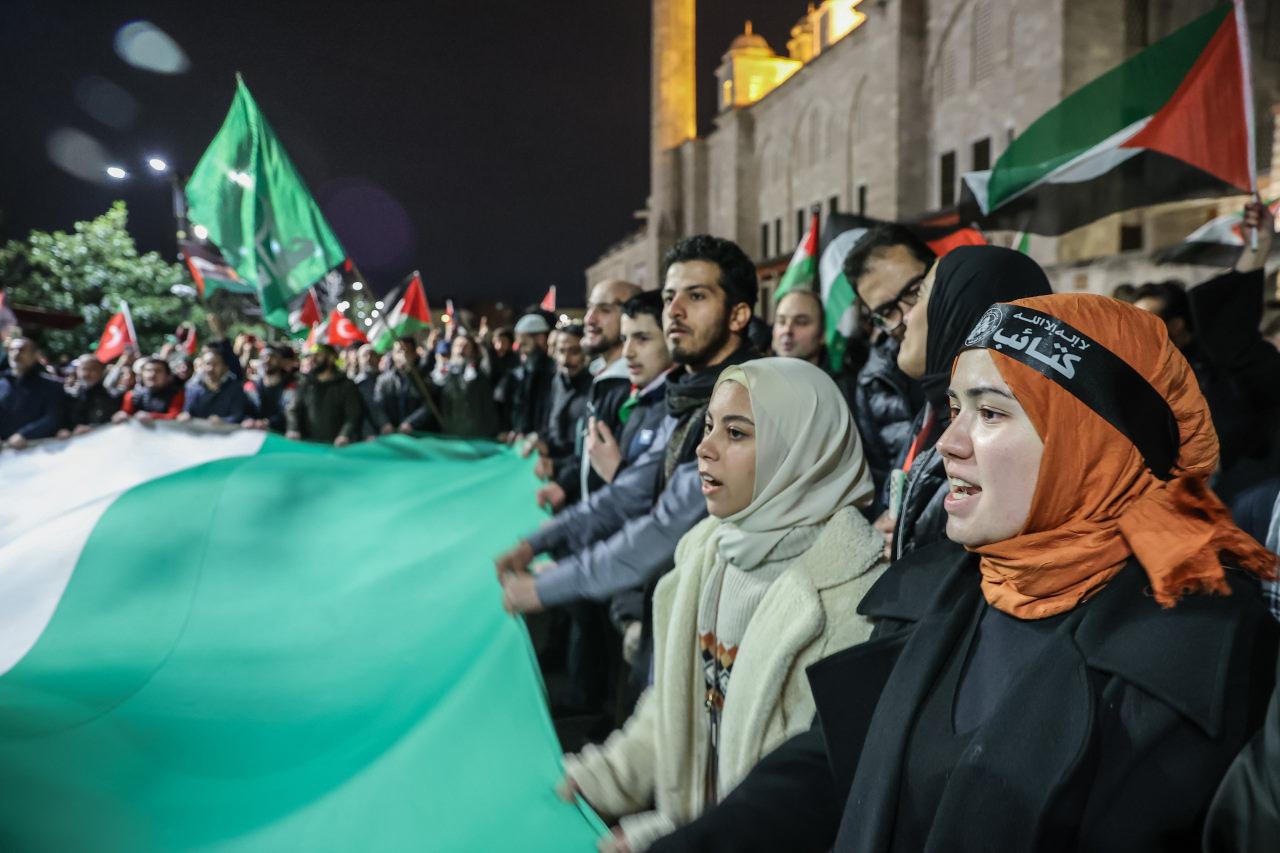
(226, 641)
(1174, 122)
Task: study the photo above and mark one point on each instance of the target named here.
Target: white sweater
(659, 755)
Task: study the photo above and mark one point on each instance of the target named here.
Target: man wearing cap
(531, 382)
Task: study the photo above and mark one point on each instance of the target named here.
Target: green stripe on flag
(299, 649)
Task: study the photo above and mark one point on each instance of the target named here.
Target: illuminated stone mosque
(880, 106)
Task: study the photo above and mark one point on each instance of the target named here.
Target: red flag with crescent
(115, 337)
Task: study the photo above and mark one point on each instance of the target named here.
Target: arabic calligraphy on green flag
(246, 191)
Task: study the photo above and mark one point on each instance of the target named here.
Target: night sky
(498, 147)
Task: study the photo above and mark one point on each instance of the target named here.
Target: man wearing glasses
(886, 268)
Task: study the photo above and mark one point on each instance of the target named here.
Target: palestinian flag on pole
(1217, 243)
(306, 315)
(1174, 122)
(254, 676)
(209, 270)
(942, 232)
(257, 210)
(803, 268)
(412, 314)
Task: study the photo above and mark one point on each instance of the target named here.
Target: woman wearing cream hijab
(766, 585)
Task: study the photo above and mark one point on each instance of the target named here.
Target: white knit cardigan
(659, 755)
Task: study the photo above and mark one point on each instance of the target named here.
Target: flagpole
(128, 321)
(1246, 88)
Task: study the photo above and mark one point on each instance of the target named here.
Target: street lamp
(117, 173)
(157, 165)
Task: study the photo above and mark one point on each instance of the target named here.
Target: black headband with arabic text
(1087, 370)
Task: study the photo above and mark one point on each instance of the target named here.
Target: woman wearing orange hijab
(1077, 667)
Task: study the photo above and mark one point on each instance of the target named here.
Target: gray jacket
(606, 510)
(642, 550)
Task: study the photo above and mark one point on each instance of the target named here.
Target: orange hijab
(1097, 503)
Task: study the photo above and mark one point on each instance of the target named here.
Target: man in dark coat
(214, 393)
(90, 403)
(1239, 369)
(327, 407)
(528, 387)
(402, 393)
(31, 401)
(271, 390)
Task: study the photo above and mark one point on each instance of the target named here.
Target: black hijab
(968, 281)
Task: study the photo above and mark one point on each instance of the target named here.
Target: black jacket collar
(1180, 654)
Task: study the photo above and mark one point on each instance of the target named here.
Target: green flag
(252, 200)
(227, 641)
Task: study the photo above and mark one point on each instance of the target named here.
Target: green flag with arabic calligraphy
(246, 191)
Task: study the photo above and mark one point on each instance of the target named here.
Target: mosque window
(947, 179)
(982, 154)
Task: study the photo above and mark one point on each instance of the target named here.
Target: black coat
(31, 404)
(1239, 373)
(92, 406)
(922, 519)
(530, 393)
(1113, 739)
(1245, 813)
(885, 401)
(399, 398)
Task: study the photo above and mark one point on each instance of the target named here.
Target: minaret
(673, 119)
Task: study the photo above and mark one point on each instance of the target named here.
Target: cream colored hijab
(809, 461)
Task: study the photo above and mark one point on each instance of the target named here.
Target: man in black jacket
(886, 268)
(90, 403)
(215, 394)
(327, 407)
(31, 401)
(527, 389)
(1238, 369)
(402, 393)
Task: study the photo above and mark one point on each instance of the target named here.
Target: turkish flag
(343, 332)
(115, 337)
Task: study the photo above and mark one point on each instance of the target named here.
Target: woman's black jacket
(1114, 740)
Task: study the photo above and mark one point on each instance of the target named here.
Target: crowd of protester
(999, 581)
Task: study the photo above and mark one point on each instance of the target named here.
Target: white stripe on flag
(58, 490)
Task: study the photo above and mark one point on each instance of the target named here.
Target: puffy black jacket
(885, 401)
